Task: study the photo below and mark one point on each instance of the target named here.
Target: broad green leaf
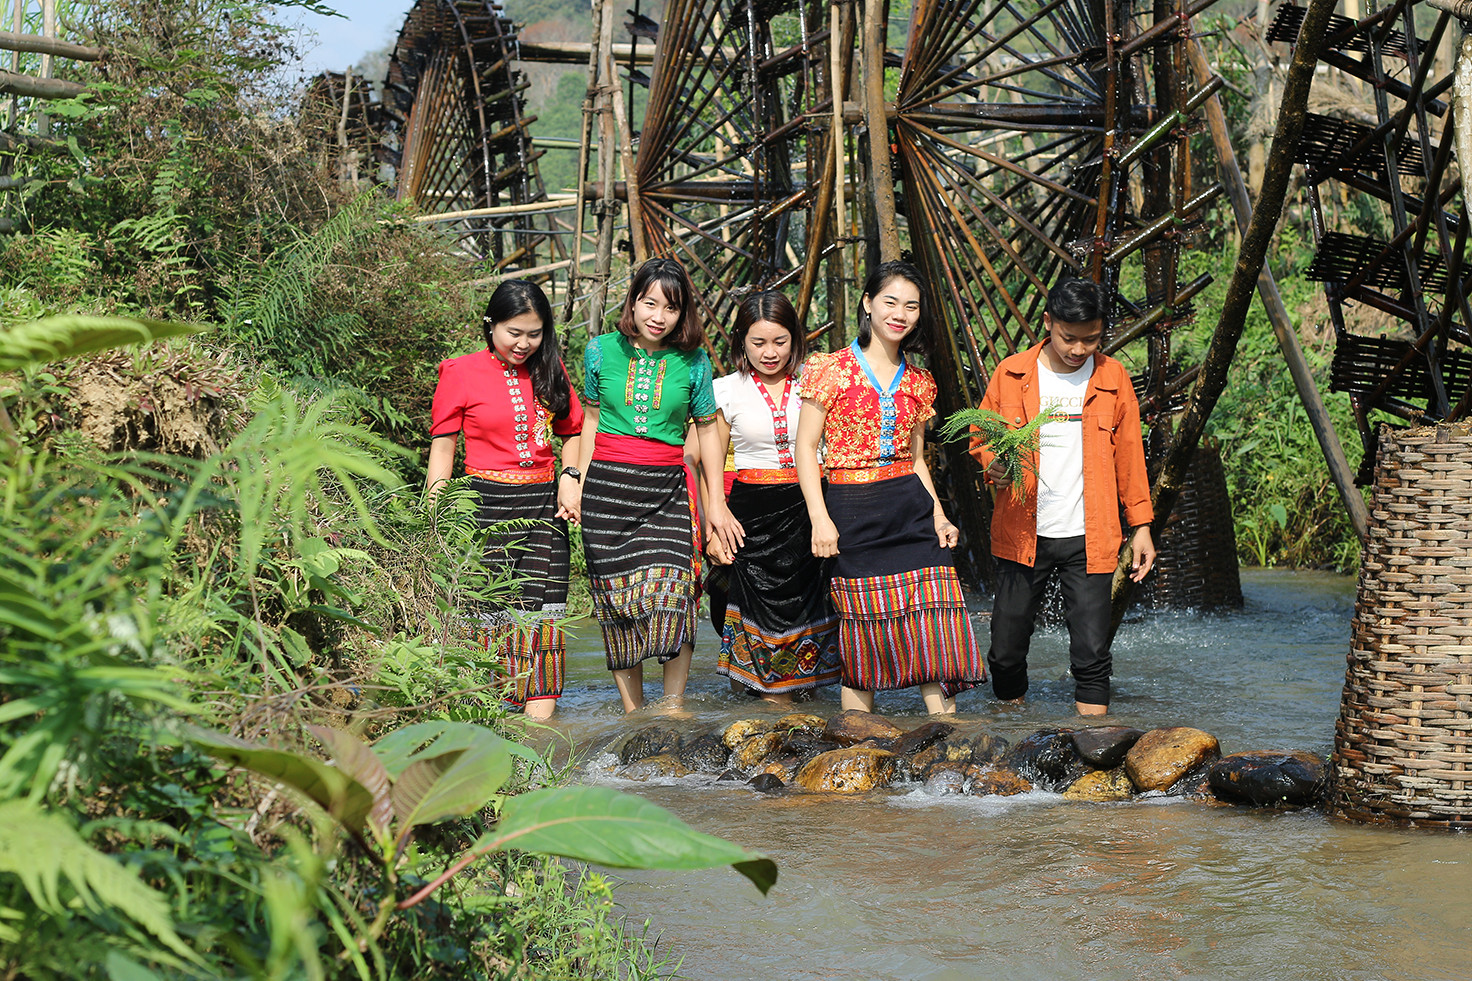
(356, 759)
(424, 740)
(340, 795)
(603, 826)
(66, 336)
(451, 784)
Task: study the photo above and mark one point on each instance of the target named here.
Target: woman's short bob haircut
(670, 277)
(773, 307)
(917, 341)
(513, 298)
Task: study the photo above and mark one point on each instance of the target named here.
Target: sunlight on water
(908, 885)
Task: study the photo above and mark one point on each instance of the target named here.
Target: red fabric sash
(649, 452)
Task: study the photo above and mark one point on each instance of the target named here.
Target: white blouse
(753, 432)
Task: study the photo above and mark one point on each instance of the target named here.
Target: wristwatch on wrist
(574, 473)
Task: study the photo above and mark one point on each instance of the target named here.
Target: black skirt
(779, 632)
(528, 539)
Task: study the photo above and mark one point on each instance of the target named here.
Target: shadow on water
(906, 885)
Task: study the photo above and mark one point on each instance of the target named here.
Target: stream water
(905, 885)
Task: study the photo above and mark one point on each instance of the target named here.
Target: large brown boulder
(848, 771)
(1162, 756)
(855, 726)
(1101, 785)
(1103, 747)
(1268, 779)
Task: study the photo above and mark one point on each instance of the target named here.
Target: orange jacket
(1114, 460)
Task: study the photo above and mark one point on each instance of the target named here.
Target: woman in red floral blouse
(903, 620)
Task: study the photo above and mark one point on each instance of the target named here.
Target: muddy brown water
(903, 885)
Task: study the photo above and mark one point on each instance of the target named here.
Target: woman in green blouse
(642, 387)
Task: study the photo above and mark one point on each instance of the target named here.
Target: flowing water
(905, 885)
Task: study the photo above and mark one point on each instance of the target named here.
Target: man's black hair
(1076, 301)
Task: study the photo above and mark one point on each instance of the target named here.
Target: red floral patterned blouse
(866, 428)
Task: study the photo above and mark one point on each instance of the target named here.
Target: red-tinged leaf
(356, 759)
(340, 795)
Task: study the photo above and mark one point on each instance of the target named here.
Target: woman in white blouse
(779, 634)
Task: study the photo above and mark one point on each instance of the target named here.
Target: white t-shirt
(753, 436)
(1061, 452)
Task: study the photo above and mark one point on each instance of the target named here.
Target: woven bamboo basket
(1403, 742)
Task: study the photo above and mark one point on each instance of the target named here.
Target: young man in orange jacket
(1089, 465)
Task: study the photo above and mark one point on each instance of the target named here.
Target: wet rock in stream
(1294, 779)
(1101, 785)
(650, 741)
(963, 746)
(755, 749)
(1162, 756)
(1047, 758)
(652, 767)
(705, 754)
(1104, 747)
(854, 726)
(766, 783)
(738, 732)
(848, 771)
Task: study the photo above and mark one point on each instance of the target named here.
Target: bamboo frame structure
(457, 133)
(1413, 271)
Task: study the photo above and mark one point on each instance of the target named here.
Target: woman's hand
(825, 537)
(716, 553)
(948, 533)
(570, 498)
(725, 530)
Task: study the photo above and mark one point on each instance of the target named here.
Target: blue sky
(341, 41)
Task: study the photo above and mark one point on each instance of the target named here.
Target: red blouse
(492, 403)
(865, 428)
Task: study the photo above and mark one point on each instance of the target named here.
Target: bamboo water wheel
(1411, 271)
(458, 135)
(343, 122)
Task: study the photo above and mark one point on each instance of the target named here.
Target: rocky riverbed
(856, 752)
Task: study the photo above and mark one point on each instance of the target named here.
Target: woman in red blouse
(902, 619)
(509, 400)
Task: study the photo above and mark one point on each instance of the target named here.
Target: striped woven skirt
(639, 535)
(903, 620)
(779, 632)
(528, 540)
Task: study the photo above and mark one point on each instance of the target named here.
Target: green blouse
(649, 395)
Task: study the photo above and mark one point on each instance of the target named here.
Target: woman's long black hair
(513, 298)
(917, 341)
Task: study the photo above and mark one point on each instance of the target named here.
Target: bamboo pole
(1250, 257)
(606, 207)
(880, 169)
(48, 29)
(40, 44)
(40, 88)
(558, 202)
(1277, 311)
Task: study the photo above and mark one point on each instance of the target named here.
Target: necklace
(780, 435)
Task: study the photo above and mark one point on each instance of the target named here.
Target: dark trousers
(1015, 610)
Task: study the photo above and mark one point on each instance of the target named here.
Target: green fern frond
(1016, 448)
(58, 869)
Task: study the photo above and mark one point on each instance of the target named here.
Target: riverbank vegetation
(214, 553)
